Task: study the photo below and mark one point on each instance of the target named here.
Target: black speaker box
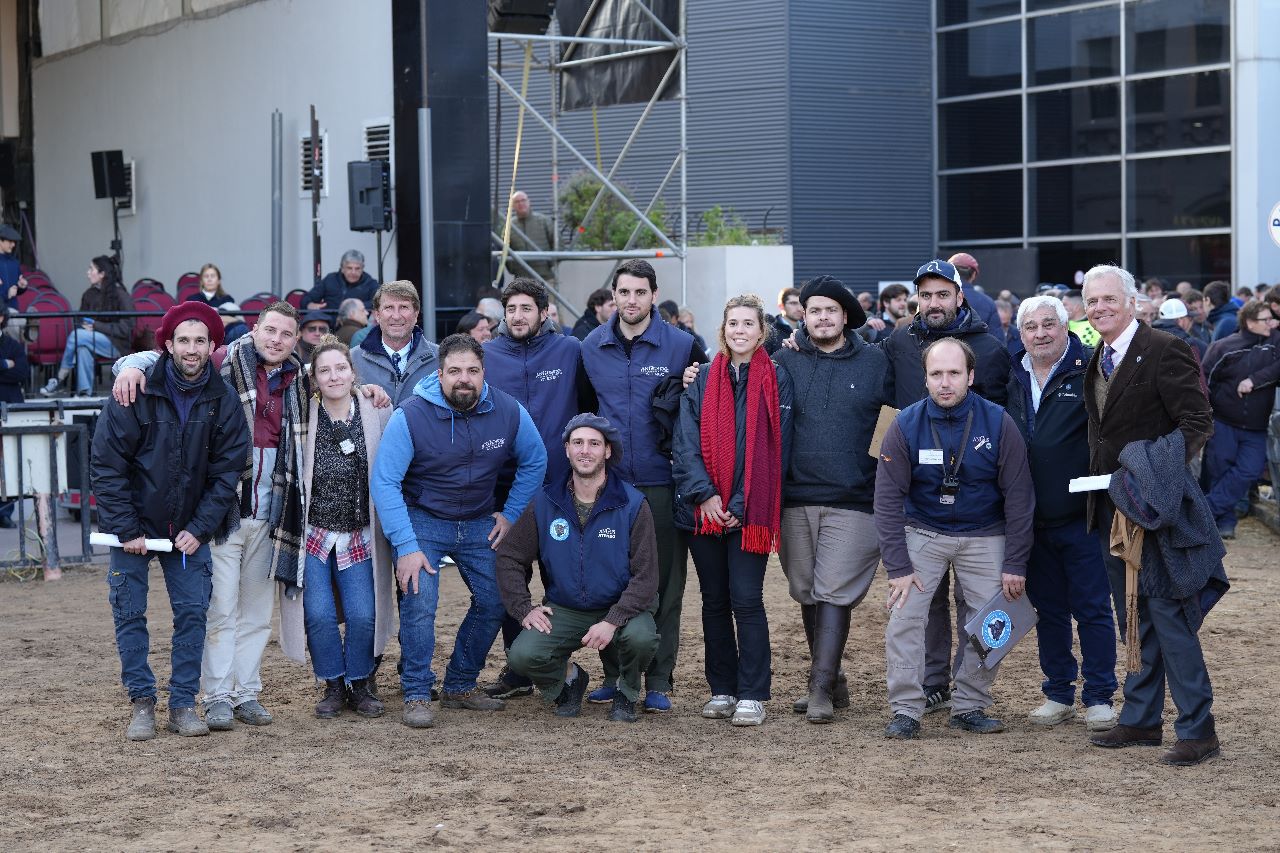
(369, 195)
(108, 174)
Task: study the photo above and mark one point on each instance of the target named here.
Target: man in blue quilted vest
(592, 534)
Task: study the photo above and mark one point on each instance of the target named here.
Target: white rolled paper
(112, 541)
(1089, 484)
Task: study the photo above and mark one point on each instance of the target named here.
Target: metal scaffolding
(669, 244)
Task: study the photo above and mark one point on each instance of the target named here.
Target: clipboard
(998, 626)
(887, 414)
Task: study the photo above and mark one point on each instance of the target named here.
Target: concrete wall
(192, 105)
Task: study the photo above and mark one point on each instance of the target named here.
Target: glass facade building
(1087, 132)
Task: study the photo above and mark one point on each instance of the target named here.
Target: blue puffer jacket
(542, 374)
(625, 389)
(586, 567)
(446, 462)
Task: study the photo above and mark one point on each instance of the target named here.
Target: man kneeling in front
(592, 534)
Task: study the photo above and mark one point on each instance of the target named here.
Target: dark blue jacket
(1237, 357)
(1057, 434)
(625, 389)
(1223, 320)
(333, 288)
(542, 373)
(586, 567)
(10, 272)
(446, 462)
(906, 369)
(13, 379)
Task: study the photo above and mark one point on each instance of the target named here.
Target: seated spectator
(106, 337)
(349, 282)
(352, 317)
(12, 281)
(233, 322)
(476, 325)
(14, 374)
(1242, 370)
(210, 292)
(315, 325)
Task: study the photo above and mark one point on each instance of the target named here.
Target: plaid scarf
(762, 479)
(240, 369)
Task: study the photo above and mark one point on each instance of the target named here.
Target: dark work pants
(1234, 459)
(1067, 579)
(732, 581)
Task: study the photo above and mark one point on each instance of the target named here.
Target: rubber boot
(839, 696)
(830, 632)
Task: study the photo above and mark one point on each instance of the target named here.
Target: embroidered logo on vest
(654, 370)
(494, 444)
(549, 375)
(608, 533)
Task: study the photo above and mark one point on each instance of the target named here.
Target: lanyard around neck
(964, 444)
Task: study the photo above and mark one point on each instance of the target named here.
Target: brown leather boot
(362, 700)
(1186, 753)
(1122, 736)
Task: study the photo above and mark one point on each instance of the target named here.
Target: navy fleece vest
(586, 568)
(457, 456)
(979, 502)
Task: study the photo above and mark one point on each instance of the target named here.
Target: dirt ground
(522, 778)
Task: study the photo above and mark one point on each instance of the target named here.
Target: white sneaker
(50, 388)
(1099, 718)
(720, 707)
(748, 713)
(1052, 713)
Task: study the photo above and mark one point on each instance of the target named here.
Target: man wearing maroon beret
(167, 468)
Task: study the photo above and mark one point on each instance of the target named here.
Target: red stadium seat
(188, 283)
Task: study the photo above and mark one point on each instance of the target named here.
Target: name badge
(946, 500)
(930, 457)
(347, 446)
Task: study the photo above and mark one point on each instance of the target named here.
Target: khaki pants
(829, 555)
(979, 563)
(239, 617)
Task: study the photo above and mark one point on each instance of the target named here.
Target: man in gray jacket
(829, 549)
(395, 354)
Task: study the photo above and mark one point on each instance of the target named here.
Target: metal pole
(684, 154)
(47, 512)
(428, 224)
(317, 172)
(277, 203)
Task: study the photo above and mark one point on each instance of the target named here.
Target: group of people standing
(608, 461)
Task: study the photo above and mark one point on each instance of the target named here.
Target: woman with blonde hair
(347, 561)
(210, 292)
(729, 446)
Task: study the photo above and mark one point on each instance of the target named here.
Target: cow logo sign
(997, 628)
(559, 530)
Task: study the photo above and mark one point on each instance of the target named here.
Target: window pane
(1177, 33)
(1083, 199)
(964, 11)
(1082, 122)
(980, 133)
(1187, 111)
(1059, 262)
(985, 206)
(1198, 260)
(1074, 46)
(982, 59)
(1180, 192)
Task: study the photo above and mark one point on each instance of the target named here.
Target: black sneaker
(569, 702)
(937, 698)
(976, 721)
(902, 727)
(509, 685)
(623, 710)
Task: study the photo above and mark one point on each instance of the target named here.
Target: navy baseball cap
(938, 269)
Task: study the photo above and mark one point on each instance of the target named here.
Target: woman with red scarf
(735, 421)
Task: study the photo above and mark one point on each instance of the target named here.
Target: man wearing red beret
(167, 468)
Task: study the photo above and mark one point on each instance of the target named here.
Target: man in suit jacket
(1142, 384)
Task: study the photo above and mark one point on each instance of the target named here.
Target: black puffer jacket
(693, 483)
(906, 370)
(1237, 357)
(1057, 435)
(155, 478)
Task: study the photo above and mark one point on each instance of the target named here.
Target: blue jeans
(332, 656)
(81, 348)
(189, 589)
(467, 542)
(1234, 459)
(1066, 578)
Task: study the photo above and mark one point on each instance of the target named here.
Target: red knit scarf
(762, 481)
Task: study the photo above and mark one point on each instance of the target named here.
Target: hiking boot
(1186, 753)
(509, 685)
(335, 696)
(418, 714)
(976, 721)
(603, 694)
(1052, 713)
(623, 710)
(937, 698)
(252, 713)
(1122, 736)
(902, 727)
(748, 713)
(218, 717)
(185, 723)
(569, 702)
(361, 700)
(142, 725)
(472, 700)
(720, 707)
